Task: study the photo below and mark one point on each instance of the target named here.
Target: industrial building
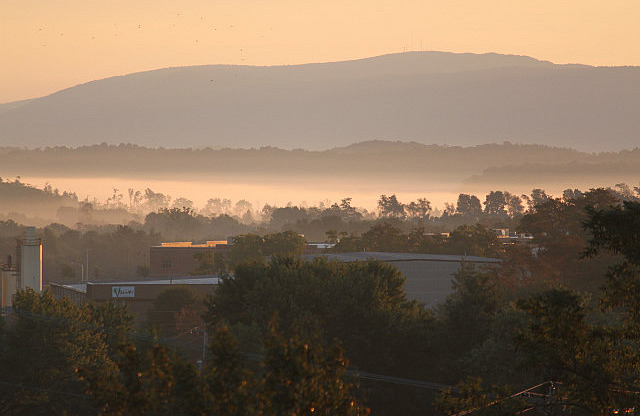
(428, 280)
(179, 258)
(429, 276)
(138, 295)
(25, 271)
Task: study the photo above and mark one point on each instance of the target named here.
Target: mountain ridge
(427, 97)
(357, 159)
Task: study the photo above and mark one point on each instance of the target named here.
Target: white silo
(31, 261)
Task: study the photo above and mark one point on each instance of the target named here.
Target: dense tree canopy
(587, 357)
(45, 345)
(362, 304)
(59, 358)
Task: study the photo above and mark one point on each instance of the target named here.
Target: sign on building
(123, 292)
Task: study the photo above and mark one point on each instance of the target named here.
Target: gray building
(429, 276)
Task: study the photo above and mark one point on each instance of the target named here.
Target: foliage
(175, 223)
(150, 381)
(468, 313)
(186, 224)
(46, 344)
(390, 207)
(384, 237)
(469, 206)
(171, 307)
(362, 304)
(595, 366)
(471, 396)
(590, 355)
(232, 386)
(514, 327)
(495, 203)
(251, 247)
(419, 210)
(58, 358)
(117, 251)
(473, 240)
(326, 290)
(616, 229)
(301, 378)
(558, 230)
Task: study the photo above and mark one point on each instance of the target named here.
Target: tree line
(169, 216)
(121, 251)
(560, 323)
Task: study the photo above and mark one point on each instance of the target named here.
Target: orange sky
(49, 45)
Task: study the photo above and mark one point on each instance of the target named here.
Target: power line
(400, 380)
(525, 391)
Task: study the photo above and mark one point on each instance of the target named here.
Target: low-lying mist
(118, 177)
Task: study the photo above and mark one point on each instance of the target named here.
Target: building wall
(144, 295)
(174, 261)
(140, 300)
(428, 282)
(8, 287)
(63, 291)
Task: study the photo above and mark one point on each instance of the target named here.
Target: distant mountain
(426, 97)
(372, 161)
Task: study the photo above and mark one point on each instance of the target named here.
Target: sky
(46, 45)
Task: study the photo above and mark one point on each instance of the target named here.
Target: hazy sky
(47, 45)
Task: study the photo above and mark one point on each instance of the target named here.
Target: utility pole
(204, 345)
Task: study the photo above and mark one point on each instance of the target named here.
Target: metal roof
(182, 280)
(394, 257)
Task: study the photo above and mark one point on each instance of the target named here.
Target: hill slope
(428, 97)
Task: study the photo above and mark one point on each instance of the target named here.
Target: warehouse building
(429, 276)
(138, 295)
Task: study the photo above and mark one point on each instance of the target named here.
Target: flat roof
(182, 280)
(392, 257)
(189, 244)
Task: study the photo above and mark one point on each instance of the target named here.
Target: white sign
(123, 292)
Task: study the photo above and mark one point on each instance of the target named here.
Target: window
(166, 264)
